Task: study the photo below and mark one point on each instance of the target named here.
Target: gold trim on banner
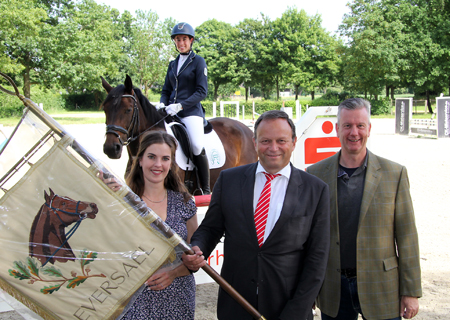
(31, 304)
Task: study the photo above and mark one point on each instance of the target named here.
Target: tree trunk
(312, 95)
(387, 91)
(278, 88)
(216, 90)
(430, 109)
(26, 83)
(96, 99)
(392, 92)
(375, 96)
(246, 93)
(296, 91)
(365, 95)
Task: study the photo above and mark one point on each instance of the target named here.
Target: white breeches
(194, 127)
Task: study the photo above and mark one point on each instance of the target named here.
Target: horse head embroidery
(48, 239)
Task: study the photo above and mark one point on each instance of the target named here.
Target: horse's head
(48, 241)
(122, 117)
(69, 210)
(128, 114)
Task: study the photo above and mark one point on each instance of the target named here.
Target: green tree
(67, 46)
(83, 46)
(21, 25)
(215, 44)
(151, 48)
(428, 47)
(374, 58)
(397, 43)
(252, 69)
(307, 54)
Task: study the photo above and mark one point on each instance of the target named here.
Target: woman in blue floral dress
(170, 294)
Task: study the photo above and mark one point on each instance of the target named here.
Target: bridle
(72, 230)
(133, 126)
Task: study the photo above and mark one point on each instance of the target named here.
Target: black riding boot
(202, 164)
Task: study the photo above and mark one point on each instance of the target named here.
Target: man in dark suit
(280, 273)
(373, 267)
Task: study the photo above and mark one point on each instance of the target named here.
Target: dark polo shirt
(350, 189)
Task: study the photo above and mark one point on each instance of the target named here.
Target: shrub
(83, 101)
(10, 106)
(382, 106)
(51, 99)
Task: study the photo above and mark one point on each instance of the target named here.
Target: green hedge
(381, 106)
(57, 100)
(262, 106)
(11, 106)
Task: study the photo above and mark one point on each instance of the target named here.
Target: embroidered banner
(70, 247)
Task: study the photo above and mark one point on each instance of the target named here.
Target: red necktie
(262, 208)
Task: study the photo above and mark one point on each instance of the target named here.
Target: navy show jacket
(189, 87)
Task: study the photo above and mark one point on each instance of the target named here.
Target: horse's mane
(114, 95)
(35, 222)
(149, 110)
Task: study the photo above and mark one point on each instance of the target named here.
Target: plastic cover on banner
(72, 248)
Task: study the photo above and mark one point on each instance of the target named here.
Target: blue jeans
(349, 307)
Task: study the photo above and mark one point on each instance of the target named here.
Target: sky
(234, 11)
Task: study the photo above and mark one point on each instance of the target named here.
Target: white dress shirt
(278, 192)
(181, 60)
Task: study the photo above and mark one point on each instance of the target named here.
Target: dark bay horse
(48, 239)
(129, 114)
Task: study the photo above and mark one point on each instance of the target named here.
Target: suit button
(337, 243)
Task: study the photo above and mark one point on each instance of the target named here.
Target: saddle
(178, 130)
(181, 135)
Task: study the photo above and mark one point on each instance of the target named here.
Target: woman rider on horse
(186, 84)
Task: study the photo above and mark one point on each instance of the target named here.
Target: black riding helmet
(183, 28)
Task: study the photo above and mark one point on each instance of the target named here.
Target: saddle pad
(213, 147)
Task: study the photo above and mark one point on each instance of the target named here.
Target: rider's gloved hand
(160, 105)
(174, 108)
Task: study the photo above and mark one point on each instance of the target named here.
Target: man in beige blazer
(373, 266)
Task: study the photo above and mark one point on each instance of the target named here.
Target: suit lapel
(294, 188)
(373, 177)
(187, 62)
(247, 190)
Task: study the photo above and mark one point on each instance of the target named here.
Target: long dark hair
(135, 179)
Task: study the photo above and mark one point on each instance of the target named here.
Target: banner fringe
(30, 304)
